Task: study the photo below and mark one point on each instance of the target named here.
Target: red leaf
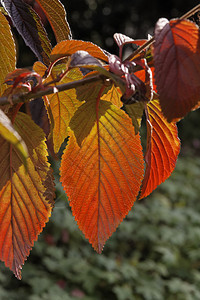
(177, 67)
(163, 146)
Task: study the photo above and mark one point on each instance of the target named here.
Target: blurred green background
(155, 252)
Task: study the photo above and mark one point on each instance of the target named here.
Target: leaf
(177, 67)
(56, 15)
(26, 198)
(89, 91)
(7, 51)
(30, 27)
(61, 106)
(163, 146)
(67, 48)
(102, 172)
(135, 112)
(83, 59)
(23, 78)
(8, 132)
(123, 40)
(113, 95)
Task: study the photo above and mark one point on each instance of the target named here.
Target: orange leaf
(177, 67)
(102, 173)
(26, 198)
(66, 48)
(163, 146)
(7, 51)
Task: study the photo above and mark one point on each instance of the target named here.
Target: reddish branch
(50, 90)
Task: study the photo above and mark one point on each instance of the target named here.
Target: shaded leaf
(56, 15)
(135, 112)
(67, 48)
(7, 51)
(89, 92)
(30, 27)
(177, 67)
(60, 106)
(8, 132)
(163, 146)
(26, 198)
(83, 59)
(102, 173)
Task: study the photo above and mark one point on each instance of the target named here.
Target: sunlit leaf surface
(163, 146)
(26, 197)
(101, 172)
(56, 15)
(7, 51)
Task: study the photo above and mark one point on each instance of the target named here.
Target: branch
(152, 40)
(50, 90)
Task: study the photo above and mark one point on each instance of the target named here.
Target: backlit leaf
(7, 51)
(66, 48)
(30, 27)
(177, 67)
(102, 172)
(26, 198)
(61, 106)
(8, 132)
(113, 95)
(56, 15)
(163, 146)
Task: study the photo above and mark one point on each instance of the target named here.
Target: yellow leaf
(56, 15)
(60, 106)
(11, 135)
(7, 51)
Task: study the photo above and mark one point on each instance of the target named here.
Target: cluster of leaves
(153, 256)
(84, 89)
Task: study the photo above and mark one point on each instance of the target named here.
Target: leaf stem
(99, 167)
(151, 41)
(191, 12)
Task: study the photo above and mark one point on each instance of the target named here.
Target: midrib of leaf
(99, 165)
(11, 205)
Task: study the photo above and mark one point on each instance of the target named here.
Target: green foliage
(153, 256)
